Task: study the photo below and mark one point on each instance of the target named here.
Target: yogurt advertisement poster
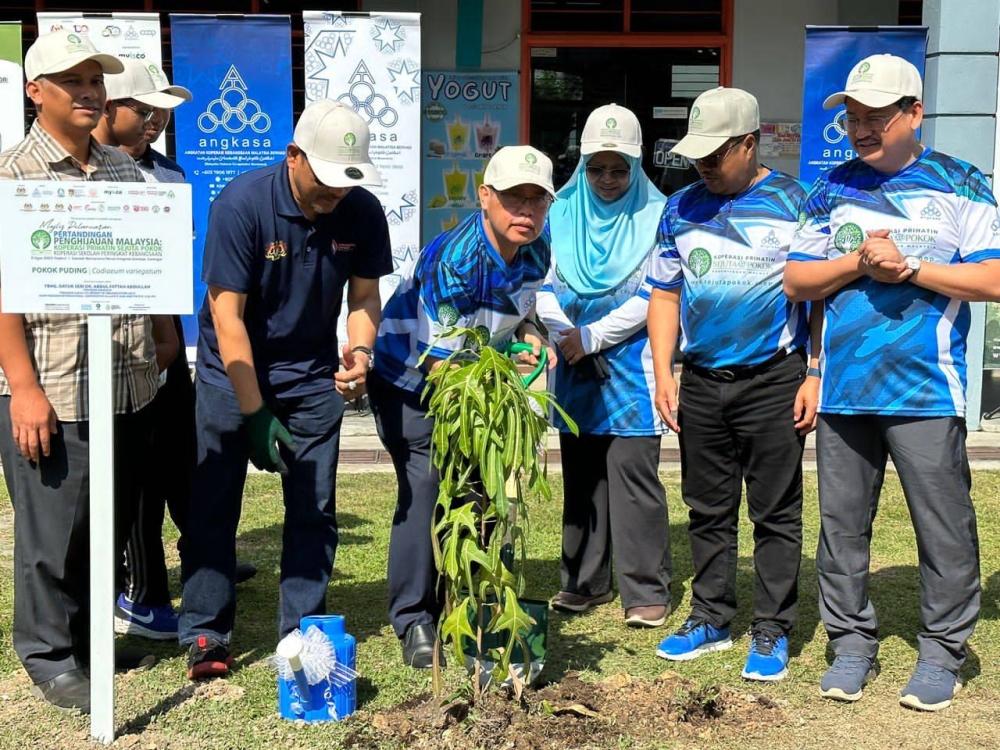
(466, 118)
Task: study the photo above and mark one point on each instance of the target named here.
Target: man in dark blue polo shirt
(282, 244)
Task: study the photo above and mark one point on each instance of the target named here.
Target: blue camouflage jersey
(728, 255)
(458, 280)
(898, 349)
(622, 405)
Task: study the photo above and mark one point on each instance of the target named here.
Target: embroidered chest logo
(848, 238)
(771, 241)
(931, 211)
(342, 247)
(276, 250)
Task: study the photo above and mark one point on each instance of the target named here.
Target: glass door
(657, 83)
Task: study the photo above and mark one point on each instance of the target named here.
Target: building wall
(439, 21)
(769, 50)
(768, 44)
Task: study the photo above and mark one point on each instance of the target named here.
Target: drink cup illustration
(487, 135)
(458, 136)
(456, 183)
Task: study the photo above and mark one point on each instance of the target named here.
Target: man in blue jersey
(747, 398)
(283, 243)
(484, 273)
(897, 242)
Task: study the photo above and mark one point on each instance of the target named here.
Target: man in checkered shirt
(44, 419)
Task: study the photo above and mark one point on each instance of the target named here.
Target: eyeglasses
(713, 160)
(873, 123)
(145, 114)
(596, 173)
(515, 201)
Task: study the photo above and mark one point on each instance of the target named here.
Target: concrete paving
(361, 450)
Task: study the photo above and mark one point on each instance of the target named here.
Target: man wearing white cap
(747, 398)
(44, 417)
(283, 243)
(140, 101)
(485, 272)
(896, 242)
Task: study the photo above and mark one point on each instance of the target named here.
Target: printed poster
(780, 139)
(240, 117)
(372, 64)
(95, 247)
(831, 52)
(466, 118)
(11, 86)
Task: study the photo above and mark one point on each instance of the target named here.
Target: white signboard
(128, 36)
(95, 247)
(372, 64)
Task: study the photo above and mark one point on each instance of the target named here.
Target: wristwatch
(367, 350)
(913, 263)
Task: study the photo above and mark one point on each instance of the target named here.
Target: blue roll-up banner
(831, 52)
(239, 70)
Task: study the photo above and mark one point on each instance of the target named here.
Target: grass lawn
(161, 709)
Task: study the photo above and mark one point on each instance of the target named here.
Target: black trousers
(730, 433)
(167, 484)
(51, 536)
(415, 593)
(613, 500)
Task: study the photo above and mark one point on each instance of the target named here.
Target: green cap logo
(700, 261)
(612, 123)
(848, 238)
(74, 39)
(530, 158)
(864, 67)
(40, 239)
(350, 139)
(695, 113)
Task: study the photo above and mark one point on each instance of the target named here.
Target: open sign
(663, 159)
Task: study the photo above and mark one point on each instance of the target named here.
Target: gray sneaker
(931, 687)
(847, 677)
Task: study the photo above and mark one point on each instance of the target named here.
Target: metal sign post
(102, 530)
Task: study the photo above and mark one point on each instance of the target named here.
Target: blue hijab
(598, 245)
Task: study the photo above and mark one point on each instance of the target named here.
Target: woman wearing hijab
(603, 227)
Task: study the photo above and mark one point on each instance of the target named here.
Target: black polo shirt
(293, 272)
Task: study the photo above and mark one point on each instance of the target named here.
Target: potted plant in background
(488, 427)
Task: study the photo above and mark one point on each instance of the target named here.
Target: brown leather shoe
(646, 617)
(570, 602)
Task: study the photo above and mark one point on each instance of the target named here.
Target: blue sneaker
(155, 623)
(694, 638)
(847, 677)
(931, 688)
(768, 658)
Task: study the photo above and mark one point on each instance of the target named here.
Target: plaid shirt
(57, 343)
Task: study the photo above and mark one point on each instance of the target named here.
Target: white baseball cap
(62, 50)
(519, 165)
(716, 116)
(145, 83)
(335, 138)
(612, 128)
(878, 81)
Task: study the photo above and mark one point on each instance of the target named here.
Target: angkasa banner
(239, 70)
(831, 52)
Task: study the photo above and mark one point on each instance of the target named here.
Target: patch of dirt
(571, 713)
